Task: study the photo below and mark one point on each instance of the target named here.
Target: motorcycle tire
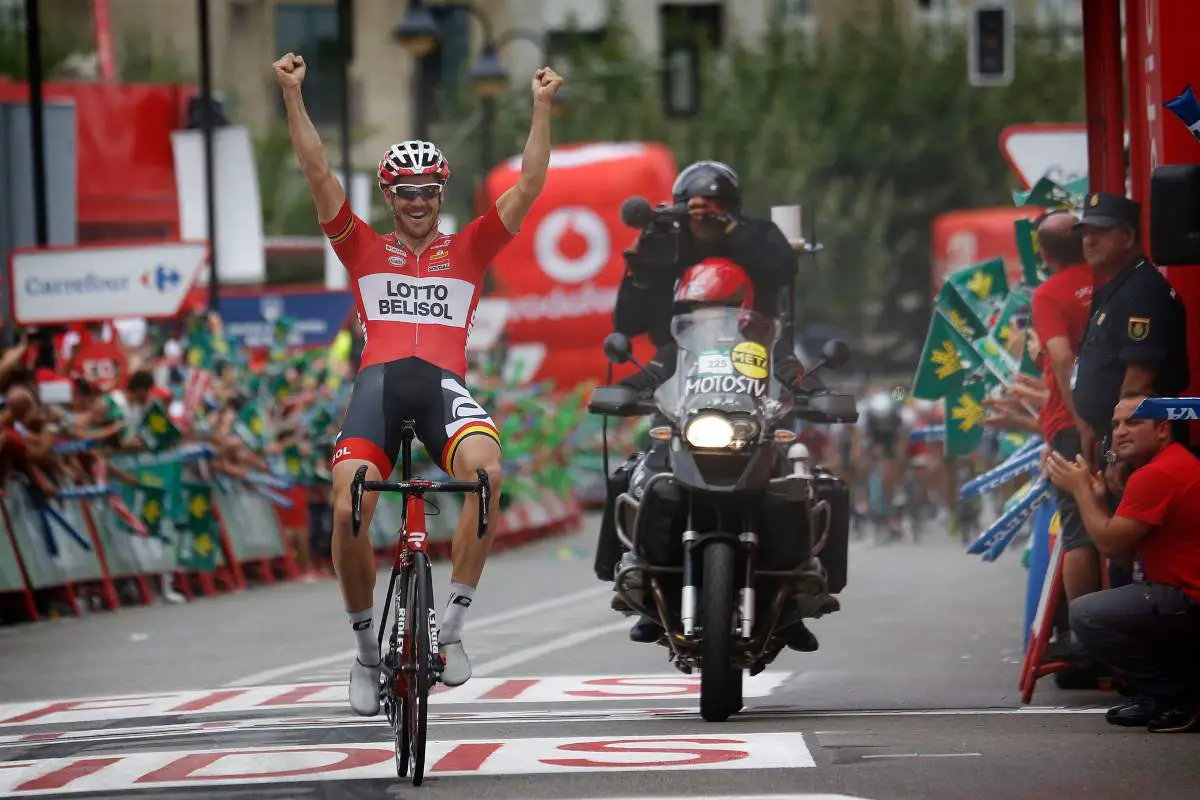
(718, 678)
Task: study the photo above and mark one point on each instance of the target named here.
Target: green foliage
(874, 133)
(57, 45)
(140, 61)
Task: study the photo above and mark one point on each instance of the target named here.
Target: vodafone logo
(572, 244)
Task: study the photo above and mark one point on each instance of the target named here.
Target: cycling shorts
(386, 394)
(885, 441)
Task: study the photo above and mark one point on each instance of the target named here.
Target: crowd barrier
(75, 554)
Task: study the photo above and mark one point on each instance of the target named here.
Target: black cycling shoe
(1135, 713)
(645, 631)
(799, 637)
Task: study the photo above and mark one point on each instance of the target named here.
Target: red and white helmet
(412, 158)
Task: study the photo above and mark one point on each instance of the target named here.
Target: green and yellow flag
(959, 312)
(1033, 269)
(250, 426)
(946, 357)
(199, 539)
(998, 361)
(156, 430)
(1049, 195)
(964, 418)
(1005, 325)
(984, 286)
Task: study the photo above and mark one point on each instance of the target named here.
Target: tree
(873, 132)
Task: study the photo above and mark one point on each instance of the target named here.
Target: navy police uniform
(1136, 319)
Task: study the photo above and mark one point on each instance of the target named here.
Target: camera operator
(708, 195)
(706, 221)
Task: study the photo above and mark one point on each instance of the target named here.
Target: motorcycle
(724, 531)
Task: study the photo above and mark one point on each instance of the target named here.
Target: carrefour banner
(316, 316)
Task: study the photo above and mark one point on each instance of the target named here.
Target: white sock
(456, 610)
(364, 636)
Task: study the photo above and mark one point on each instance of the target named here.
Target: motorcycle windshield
(725, 364)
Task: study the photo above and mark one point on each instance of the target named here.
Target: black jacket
(644, 300)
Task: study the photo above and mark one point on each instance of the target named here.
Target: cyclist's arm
(514, 204)
(326, 190)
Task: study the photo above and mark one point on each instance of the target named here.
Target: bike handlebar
(417, 486)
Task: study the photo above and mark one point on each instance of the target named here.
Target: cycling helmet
(715, 281)
(412, 158)
(710, 179)
(880, 404)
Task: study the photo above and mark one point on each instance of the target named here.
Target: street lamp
(419, 32)
(488, 75)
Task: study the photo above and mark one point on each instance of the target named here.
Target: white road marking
(530, 609)
(258, 765)
(528, 654)
(263, 700)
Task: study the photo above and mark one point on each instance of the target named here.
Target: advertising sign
(316, 316)
(73, 284)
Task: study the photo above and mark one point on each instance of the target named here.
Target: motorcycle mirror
(835, 353)
(617, 348)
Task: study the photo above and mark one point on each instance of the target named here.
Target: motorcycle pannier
(835, 557)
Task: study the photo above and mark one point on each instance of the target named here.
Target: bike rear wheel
(421, 674)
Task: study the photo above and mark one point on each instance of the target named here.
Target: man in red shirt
(1061, 307)
(417, 290)
(1148, 633)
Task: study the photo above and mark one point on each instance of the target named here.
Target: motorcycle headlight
(709, 431)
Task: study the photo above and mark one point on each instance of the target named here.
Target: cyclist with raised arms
(416, 289)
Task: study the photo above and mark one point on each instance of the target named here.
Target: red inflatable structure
(561, 275)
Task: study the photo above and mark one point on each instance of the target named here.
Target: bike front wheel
(422, 625)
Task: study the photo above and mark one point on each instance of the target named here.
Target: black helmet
(709, 179)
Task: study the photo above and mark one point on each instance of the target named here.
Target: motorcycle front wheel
(719, 679)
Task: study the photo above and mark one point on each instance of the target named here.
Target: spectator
(1148, 633)
(1136, 339)
(1061, 307)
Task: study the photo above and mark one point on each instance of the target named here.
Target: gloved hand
(655, 372)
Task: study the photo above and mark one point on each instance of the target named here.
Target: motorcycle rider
(717, 230)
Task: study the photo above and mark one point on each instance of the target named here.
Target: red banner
(561, 274)
(125, 164)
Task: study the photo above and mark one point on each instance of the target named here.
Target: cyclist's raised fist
(546, 83)
(289, 70)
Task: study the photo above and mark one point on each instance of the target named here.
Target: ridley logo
(341, 453)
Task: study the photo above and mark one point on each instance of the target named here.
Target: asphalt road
(912, 695)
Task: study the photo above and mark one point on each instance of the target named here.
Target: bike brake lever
(356, 493)
(485, 500)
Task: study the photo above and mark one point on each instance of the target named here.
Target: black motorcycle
(731, 542)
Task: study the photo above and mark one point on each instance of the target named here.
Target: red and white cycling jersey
(416, 305)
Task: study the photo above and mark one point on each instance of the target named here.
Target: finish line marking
(541, 689)
(257, 765)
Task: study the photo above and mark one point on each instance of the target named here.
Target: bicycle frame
(413, 530)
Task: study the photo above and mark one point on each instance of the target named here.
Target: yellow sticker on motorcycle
(750, 359)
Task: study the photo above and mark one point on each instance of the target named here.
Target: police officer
(1136, 339)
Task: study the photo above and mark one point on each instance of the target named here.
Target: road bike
(411, 664)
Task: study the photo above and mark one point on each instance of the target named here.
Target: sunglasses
(408, 191)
